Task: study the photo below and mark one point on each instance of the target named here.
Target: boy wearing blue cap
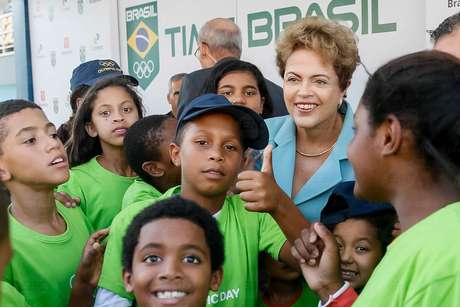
(83, 77)
(362, 229)
(211, 137)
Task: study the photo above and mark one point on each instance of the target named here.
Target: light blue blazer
(313, 195)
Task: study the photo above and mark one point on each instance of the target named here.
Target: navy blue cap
(342, 205)
(253, 128)
(90, 72)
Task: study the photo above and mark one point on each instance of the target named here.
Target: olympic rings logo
(144, 69)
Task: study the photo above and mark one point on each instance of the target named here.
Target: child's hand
(318, 256)
(66, 199)
(259, 189)
(90, 267)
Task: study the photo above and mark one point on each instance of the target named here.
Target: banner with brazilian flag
(143, 45)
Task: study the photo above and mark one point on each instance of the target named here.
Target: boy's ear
(216, 279)
(127, 280)
(392, 135)
(90, 129)
(153, 168)
(174, 153)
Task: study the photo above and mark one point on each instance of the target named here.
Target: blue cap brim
(253, 128)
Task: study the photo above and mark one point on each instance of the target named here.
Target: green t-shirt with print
(421, 267)
(139, 190)
(100, 191)
(42, 267)
(245, 235)
(10, 297)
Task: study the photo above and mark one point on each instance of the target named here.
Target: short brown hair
(331, 40)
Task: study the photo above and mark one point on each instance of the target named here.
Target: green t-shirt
(245, 235)
(100, 191)
(42, 266)
(10, 297)
(421, 267)
(307, 298)
(139, 190)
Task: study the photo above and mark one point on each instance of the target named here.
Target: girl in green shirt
(100, 172)
(406, 151)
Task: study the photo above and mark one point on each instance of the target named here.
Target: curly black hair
(142, 143)
(175, 208)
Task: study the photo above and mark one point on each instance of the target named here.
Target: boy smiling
(211, 137)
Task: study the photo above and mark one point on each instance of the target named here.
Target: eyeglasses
(197, 53)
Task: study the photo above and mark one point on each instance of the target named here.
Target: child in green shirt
(211, 137)
(100, 172)
(173, 254)
(47, 239)
(147, 150)
(406, 151)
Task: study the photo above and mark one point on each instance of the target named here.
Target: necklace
(316, 154)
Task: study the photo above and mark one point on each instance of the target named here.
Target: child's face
(171, 265)
(113, 113)
(240, 87)
(32, 153)
(211, 154)
(279, 270)
(171, 172)
(360, 250)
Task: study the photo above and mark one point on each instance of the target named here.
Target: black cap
(253, 128)
(342, 205)
(90, 72)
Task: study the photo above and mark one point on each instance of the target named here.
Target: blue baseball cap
(90, 72)
(254, 131)
(342, 205)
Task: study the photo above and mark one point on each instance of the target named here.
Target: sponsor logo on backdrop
(51, 12)
(66, 4)
(66, 45)
(56, 105)
(82, 54)
(40, 51)
(80, 6)
(53, 58)
(37, 10)
(143, 46)
(97, 42)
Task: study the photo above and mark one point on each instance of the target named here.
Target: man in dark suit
(218, 40)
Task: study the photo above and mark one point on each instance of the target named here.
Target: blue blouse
(313, 195)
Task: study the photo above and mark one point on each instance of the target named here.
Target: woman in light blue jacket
(316, 59)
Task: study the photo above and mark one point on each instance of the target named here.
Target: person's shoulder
(198, 73)
(86, 167)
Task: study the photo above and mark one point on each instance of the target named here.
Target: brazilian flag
(143, 46)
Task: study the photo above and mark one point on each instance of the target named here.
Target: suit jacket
(313, 195)
(193, 84)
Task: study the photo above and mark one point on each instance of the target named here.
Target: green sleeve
(9, 296)
(74, 188)
(111, 276)
(272, 238)
(112, 270)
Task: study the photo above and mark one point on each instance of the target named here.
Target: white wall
(385, 29)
